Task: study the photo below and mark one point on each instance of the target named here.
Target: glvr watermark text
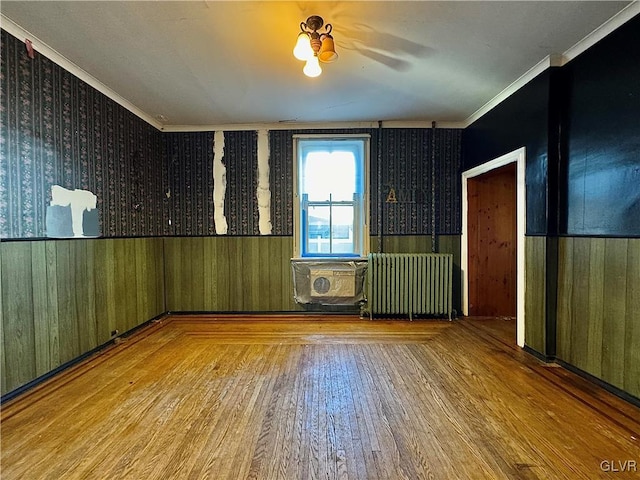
(619, 466)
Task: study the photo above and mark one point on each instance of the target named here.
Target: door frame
(518, 157)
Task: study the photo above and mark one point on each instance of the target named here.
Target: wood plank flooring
(311, 397)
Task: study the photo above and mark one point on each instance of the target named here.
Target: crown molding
(533, 72)
(619, 19)
(21, 34)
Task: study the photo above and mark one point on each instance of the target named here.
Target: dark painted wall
(522, 120)
(580, 125)
(603, 137)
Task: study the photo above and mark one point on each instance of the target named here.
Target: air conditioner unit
(332, 282)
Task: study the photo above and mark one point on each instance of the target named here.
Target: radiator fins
(410, 284)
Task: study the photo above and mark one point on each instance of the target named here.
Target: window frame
(297, 197)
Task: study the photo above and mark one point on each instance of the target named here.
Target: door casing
(519, 157)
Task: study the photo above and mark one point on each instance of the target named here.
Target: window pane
(329, 173)
(342, 229)
(318, 230)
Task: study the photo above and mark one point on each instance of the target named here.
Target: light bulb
(312, 67)
(303, 50)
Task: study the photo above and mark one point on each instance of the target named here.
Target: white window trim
(366, 240)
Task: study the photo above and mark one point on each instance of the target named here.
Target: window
(331, 207)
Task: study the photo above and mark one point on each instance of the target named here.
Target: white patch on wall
(263, 192)
(219, 183)
(72, 213)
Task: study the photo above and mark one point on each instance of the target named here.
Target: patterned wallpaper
(241, 160)
(281, 176)
(403, 159)
(406, 169)
(55, 129)
(189, 183)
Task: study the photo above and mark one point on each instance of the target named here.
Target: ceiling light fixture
(314, 46)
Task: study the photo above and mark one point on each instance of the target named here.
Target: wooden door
(491, 226)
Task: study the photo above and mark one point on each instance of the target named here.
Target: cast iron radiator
(410, 284)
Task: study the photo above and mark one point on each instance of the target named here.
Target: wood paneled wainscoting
(312, 397)
(599, 308)
(229, 274)
(59, 299)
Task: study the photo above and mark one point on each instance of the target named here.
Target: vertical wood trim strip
(595, 306)
(40, 311)
(3, 363)
(580, 312)
(18, 328)
(613, 334)
(565, 295)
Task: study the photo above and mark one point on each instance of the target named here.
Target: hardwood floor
(311, 397)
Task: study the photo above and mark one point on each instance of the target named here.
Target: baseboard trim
(538, 355)
(626, 396)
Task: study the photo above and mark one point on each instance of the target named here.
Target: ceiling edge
(620, 18)
(38, 45)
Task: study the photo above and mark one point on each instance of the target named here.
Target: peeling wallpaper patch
(219, 183)
(263, 191)
(77, 202)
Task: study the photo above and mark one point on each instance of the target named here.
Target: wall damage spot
(72, 213)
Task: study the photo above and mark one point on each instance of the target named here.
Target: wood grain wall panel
(595, 306)
(143, 265)
(632, 325)
(222, 295)
(105, 291)
(579, 303)
(41, 308)
(418, 244)
(229, 274)
(613, 328)
(129, 280)
(3, 364)
(286, 253)
(64, 297)
(598, 321)
(565, 297)
(535, 299)
(17, 303)
(50, 310)
(402, 243)
(67, 314)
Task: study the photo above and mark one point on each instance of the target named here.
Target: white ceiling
(211, 63)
